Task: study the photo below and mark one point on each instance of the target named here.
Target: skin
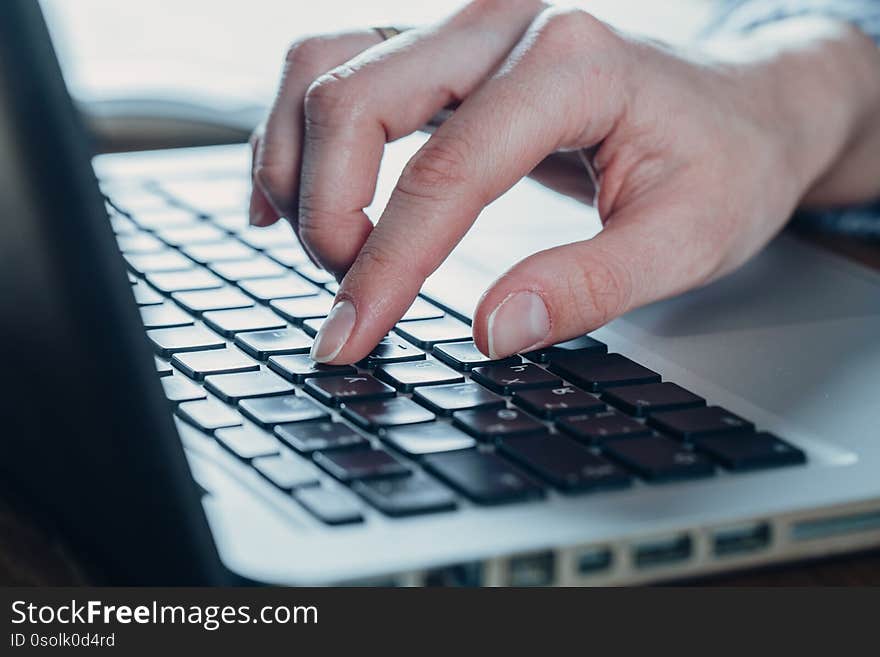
(702, 156)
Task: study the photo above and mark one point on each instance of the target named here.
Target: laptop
(161, 410)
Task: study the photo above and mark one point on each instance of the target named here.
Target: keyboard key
(162, 368)
(230, 322)
(335, 390)
(693, 423)
(507, 379)
(564, 463)
(312, 326)
(262, 344)
(268, 411)
(208, 414)
(219, 193)
(656, 458)
(582, 345)
(551, 403)
(315, 274)
(177, 389)
(152, 263)
(750, 451)
(247, 442)
(425, 333)
(308, 437)
(218, 252)
(392, 349)
(596, 428)
(287, 471)
(381, 413)
(491, 424)
(233, 387)
(164, 316)
(122, 225)
(447, 399)
(651, 398)
(420, 439)
(302, 308)
(282, 287)
(139, 243)
(200, 233)
(299, 367)
(145, 296)
(240, 270)
(354, 464)
(170, 341)
(405, 496)
(166, 217)
(289, 256)
(199, 364)
(224, 298)
(181, 281)
(406, 376)
(333, 507)
(277, 235)
(421, 309)
(597, 372)
(464, 355)
(483, 477)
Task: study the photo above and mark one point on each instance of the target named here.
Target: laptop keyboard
(425, 423)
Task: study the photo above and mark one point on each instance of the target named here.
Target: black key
(335, 390)
(406, 376)
(315, 274)
(302, 308)
(232, 387)
(596, 428)
(405, 496)
(181, 281)
(564, 463)
(507, 379)
(656, 458)
(262, 344)
(199, 364)
(177, 389)
(698, 422)
(287, 471)
(169, 341)
(597, 372)
(380, 413)
(164, 316)
(392, 349)
(145, 296)
(464, 355)
(354, 464)
(421, 309)
(247, 442)
(162, 368)
(490, 424)
(284, 287)
(218, 252)
(308, 437)
(267, 411)
(224, 298)
(230, 322)
(483, 477)
(153, 263)
(208, 414)
(651, 398)
(427, 332)
(242, 270)
(447, 399)
(420, 439)
(555, 402)
(334, 507)
(582, 345)
(299, 367)
(750, 451)
(200, 233)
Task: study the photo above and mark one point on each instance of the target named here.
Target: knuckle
(440, 166)
(571, 28)
(607, 286)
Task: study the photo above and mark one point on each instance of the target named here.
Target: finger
(644, 254)
(532, 107)
(385, 93)
(260, 211)
(277, 157)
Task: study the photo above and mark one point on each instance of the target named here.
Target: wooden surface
(33, 553)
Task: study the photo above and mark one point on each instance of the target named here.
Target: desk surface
(34, 554)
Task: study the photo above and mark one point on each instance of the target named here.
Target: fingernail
(334, 332)
(519, 323)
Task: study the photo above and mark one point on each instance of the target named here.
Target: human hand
(701, 157)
